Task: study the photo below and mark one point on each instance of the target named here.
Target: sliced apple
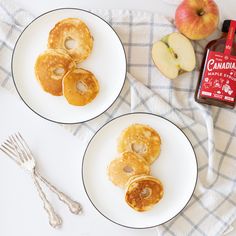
(173, 55)
(184, 51)
(164, 60)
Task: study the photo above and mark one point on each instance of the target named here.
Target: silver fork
(17, 149)
(14, 147)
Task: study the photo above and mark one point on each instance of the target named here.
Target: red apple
(197, 19)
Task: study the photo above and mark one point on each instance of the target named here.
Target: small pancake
(141, 139)
(50, 67)
(80, 87)
(126, 166)
(72, 35)
(143, 192)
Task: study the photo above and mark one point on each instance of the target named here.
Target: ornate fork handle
(74, 206)
(54, 219)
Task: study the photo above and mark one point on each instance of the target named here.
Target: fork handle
(54, 220)
(74, 206)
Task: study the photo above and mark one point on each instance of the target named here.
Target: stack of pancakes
(139, 146)
(69, 43)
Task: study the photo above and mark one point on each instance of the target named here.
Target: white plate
(176, 168)
(107, 61)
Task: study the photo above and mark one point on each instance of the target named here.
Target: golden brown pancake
(141, 139)
(50, 67)
(80, 87)
(72, 35)
(126, 166)
(143, 192)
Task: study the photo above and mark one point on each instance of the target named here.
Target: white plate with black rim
(107, 62)
(176, 167)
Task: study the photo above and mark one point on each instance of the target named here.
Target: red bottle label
(219, 77)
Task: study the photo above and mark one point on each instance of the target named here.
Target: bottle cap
(226, 25)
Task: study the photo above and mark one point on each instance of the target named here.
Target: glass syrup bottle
(217, 80)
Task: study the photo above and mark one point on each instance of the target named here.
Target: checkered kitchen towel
(212, 131)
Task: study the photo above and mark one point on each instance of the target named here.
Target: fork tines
(15, 147)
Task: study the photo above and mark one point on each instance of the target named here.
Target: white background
(227, 8)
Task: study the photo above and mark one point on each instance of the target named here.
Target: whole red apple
(197, 19)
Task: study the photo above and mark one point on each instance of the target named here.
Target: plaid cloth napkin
(211, 130)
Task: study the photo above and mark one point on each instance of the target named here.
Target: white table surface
(91, 223)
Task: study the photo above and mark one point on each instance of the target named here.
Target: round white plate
(176, 167)
(107, 61)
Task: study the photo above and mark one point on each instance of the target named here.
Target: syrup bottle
(217, 80)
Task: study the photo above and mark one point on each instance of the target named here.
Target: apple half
(174, 55)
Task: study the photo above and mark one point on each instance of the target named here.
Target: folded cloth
(211, 130)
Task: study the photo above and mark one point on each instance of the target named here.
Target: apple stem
(201, 12)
